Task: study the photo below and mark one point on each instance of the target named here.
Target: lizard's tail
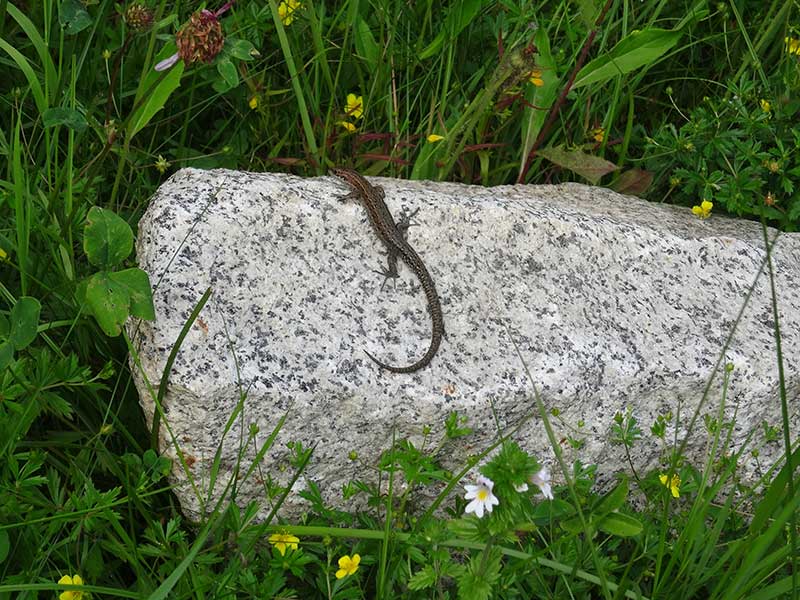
(436, 339)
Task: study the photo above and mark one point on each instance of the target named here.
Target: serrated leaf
(73, 16)
(620, 525)
(422, 579)
(463, 528)
(633, 182)
(107, 238)
(241, 49)
(588, 166)
(366, 46)
(228, 71)
(461, 14)
(110, 302)
(137, 284)
(68, 117)
(155, 89)
(636, 50)
(24, 320)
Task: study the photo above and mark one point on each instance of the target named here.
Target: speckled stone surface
(614, 303)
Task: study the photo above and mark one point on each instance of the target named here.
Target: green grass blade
(50, 73)
(27, 70)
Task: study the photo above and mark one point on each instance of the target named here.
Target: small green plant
(113, 296)
(738, 152)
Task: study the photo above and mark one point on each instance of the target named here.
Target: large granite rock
(614, 303)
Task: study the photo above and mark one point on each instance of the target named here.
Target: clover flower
(200, 39)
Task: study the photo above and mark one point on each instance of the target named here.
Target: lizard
(393, 235)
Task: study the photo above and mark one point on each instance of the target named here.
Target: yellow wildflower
(536, 78)
(355, 106)
(253, 103)
(765, 105)
(347, 566)
(435, 137)
(3, 255)
(71, 595)
(347, 125)
(704, 210)
(284, 540)
(792, 45)
(598, 134)
(673, 483)
(286, 10)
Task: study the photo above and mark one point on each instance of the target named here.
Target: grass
(675, 101)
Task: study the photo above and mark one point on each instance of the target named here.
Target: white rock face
(614, 303)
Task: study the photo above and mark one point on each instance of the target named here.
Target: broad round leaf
(24, 319)
(73, 16)
(68, 117)
(107, 239)
(137, 285)
(620, 525)
(6, 354)
(110, 302)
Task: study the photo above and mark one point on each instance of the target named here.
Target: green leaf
(137, 284)
(613, 499)
(633, 182)
(539, 99)
(228, 71)
(155, 88)
(587, 10)
(241, 49)
(107, 238)
(575, 526)
(366, 46)
(24, 319)
(620, 525)
(113, 297)
(6, 354)
(5, 544)
(461, 14)
(110, 302)
(30, 75)
(587, 165)
(5, 326)
(42, 49)
(73, 16)
(422, 579)
(69, 117)
(638, 49)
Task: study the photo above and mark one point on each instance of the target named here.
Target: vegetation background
(689, 102)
